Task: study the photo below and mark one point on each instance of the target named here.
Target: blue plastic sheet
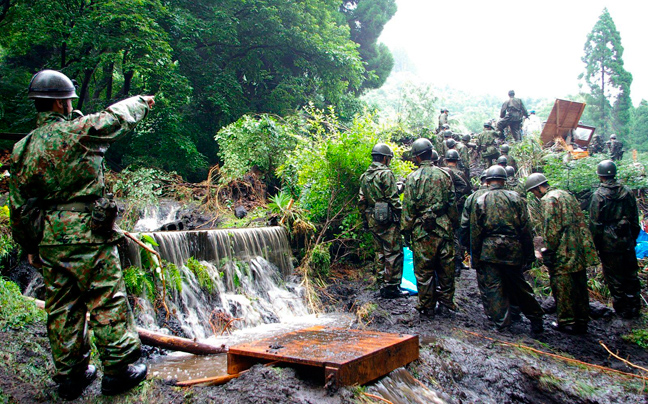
(641, 249)
(409, 281)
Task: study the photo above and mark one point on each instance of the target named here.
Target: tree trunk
(87, 75)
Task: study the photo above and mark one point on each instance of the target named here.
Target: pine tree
(639, 129)
(607, 79)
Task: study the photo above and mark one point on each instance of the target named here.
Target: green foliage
(528, 153)
(259, 142)
(638, 137)
(321, 260)
(639, 337)
(7, 243)
(202, 274)
(15, 310)
(139, 282)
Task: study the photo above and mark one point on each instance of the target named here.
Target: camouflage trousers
(514, 124)
(500, 285)
(80, 279)
(388, 244)
(620, 272)
(434, 268)
(572, 298)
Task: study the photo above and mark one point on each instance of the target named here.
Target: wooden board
(563, 118)
(339, 356)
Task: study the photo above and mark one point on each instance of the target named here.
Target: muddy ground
(462, 360)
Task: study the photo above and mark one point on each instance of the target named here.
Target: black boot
(122, 381)
(72, 387)
(537, 326)
(391, 292)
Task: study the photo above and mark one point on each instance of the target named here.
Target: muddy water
(182, 366)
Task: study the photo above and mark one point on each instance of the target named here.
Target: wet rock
(175, 225)
(240, 212)
(599, 310)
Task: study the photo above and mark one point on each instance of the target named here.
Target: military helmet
(482, 177)
(382, 149)
(510, 171)
(465, 138)
(444, 110)
(420, 146)
(613, 137)
(452, 155)
(496, 173)
(511, 93)
(534, 180)
(606, 168)
(51, 84)
(445, 126)
(502, 161)
(450, 143)
(488, 124)
(505, 148)
(435, 156)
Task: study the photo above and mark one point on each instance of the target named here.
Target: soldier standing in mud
(58, 172)
(568, 253)
(501, 244)
(462, 190)
(512, 114)
(615, 148)
(615, 226)
(381, 208)
(487, 145)
(428, 215)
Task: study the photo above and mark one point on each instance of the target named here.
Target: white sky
(533, 47)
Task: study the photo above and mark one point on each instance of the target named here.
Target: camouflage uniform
(501, 244)
(464, 226)
(510, 161)
(570, 251)
(512, 114)
(443, 120)
(378, 184)
(596, 144)
(487, 147)
(615, 227)
(615, 149)
(61, 162)
(462, 191)
(464, 153)
(512, 184)
(428, 213)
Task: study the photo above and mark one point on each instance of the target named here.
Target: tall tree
(639, 129)
(608, 81)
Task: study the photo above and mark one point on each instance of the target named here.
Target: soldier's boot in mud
(122, 381)
(72, 387)
(571, 329)
(537, 326)
(444, 311)
(425, 313)
(391, 292)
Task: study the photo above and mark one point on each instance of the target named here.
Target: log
(165, 341)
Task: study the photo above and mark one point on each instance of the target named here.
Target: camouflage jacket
(464, 153)
(513, 184)
(62, 161)
(614, 217)
(596, 144)
(615, 149)
(567, 238)
(487, 143)
(378, 184)
(514, 108)
(429, 203)
(464, 226)
(499, 229)
(462, 186)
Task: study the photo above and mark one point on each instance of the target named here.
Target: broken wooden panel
(340, 356)
(562, 120)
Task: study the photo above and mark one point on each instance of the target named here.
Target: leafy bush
(202, 275)
(639, 337)
(15, 310)
(321, 260)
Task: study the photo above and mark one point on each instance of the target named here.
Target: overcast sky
(533, 47)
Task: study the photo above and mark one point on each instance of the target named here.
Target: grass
(639, 337)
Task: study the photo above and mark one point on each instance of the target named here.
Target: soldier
(596, 144)
(59, 169)
(502, 161)
(464, 154)
(462, 191)
(381, 209)
(428, 213)
(443, 119)
(487, 145)
(504, 150)
(512, 183)
(615, 148)
(569, 252)
(501, 245)
(512, 114)
(615, 227)
(464, 227)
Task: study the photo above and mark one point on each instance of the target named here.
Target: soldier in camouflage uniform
(378, 185)
(596, 145)
(464, 225)
(59, 167)
(487, 145)
(443, 119)
(428, 214)
(462, 190)
(510, 160)
(501, 244)
(512, 182)
(615, 227)
(615, 148)
(569, 252)
(512, 114)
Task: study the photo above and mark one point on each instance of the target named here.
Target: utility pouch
(104, 214)
(382, 213)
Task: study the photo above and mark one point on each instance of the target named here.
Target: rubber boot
(73, 387)
(123, 381)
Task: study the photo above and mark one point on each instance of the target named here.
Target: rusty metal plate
(563, 118)
(346, 356)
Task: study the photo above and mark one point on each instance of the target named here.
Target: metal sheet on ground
(342, 356)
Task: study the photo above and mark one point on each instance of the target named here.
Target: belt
(85, 207)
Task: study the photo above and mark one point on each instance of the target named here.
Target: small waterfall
(250, 270)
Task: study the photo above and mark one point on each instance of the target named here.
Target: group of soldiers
(441, 216)
(613, 147)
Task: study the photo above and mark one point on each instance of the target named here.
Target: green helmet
(511, 93)
(606, 168)
(510, 171)
(51, 84)
(435, 156)
(420, 146)
(482, 177)
(381, 149)
(450, 143)
(534, 180)
(452, 155)
(502, 161)
(504, 148)
(495, 173)
(465, 138)
(488, 124)
(447, 133)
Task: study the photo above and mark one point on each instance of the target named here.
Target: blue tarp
(641, 249)
(409, 281)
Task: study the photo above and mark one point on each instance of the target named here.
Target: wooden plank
(564, 117)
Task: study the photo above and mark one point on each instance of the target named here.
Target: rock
(240, 212)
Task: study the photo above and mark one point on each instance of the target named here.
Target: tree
(607, 79)
(639, 130)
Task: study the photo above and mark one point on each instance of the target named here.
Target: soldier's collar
(49, 116)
